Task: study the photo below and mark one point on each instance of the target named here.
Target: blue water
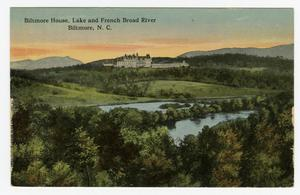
(188, 126)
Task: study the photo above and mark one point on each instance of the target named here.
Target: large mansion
(136, 61)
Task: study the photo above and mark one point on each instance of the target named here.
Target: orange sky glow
(176, 31)
(88, 53)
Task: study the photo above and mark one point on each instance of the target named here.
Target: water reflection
(189, 126)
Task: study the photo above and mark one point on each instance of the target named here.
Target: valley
(129, 120)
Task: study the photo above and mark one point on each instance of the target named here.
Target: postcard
(152, 97)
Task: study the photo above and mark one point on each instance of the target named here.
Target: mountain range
(44, 63)
(285, 51)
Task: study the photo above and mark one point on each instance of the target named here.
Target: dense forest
(83, 146)
(86, 146)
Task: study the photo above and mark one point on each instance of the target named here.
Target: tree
(217, 156)
(172, 114)
(189, 153)
(227, 163)
(83, 153)
(62, 175)
(21, 121)
(267, 160)
(183, 180)
(24, 154)
(103, 179)
(36, 174)
(155, 168)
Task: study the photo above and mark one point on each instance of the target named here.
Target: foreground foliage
(84, 146)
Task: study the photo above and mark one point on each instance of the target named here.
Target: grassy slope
(70, 94)
(202, 89)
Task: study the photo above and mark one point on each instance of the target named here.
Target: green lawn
(70, 94)
(200, 90)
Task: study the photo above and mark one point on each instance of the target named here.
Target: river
(186, 126)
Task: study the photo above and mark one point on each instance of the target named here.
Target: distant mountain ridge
(44, 63)
(285, 51)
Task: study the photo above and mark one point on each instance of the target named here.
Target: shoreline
(176, 100)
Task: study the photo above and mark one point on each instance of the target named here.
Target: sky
(176, 31)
